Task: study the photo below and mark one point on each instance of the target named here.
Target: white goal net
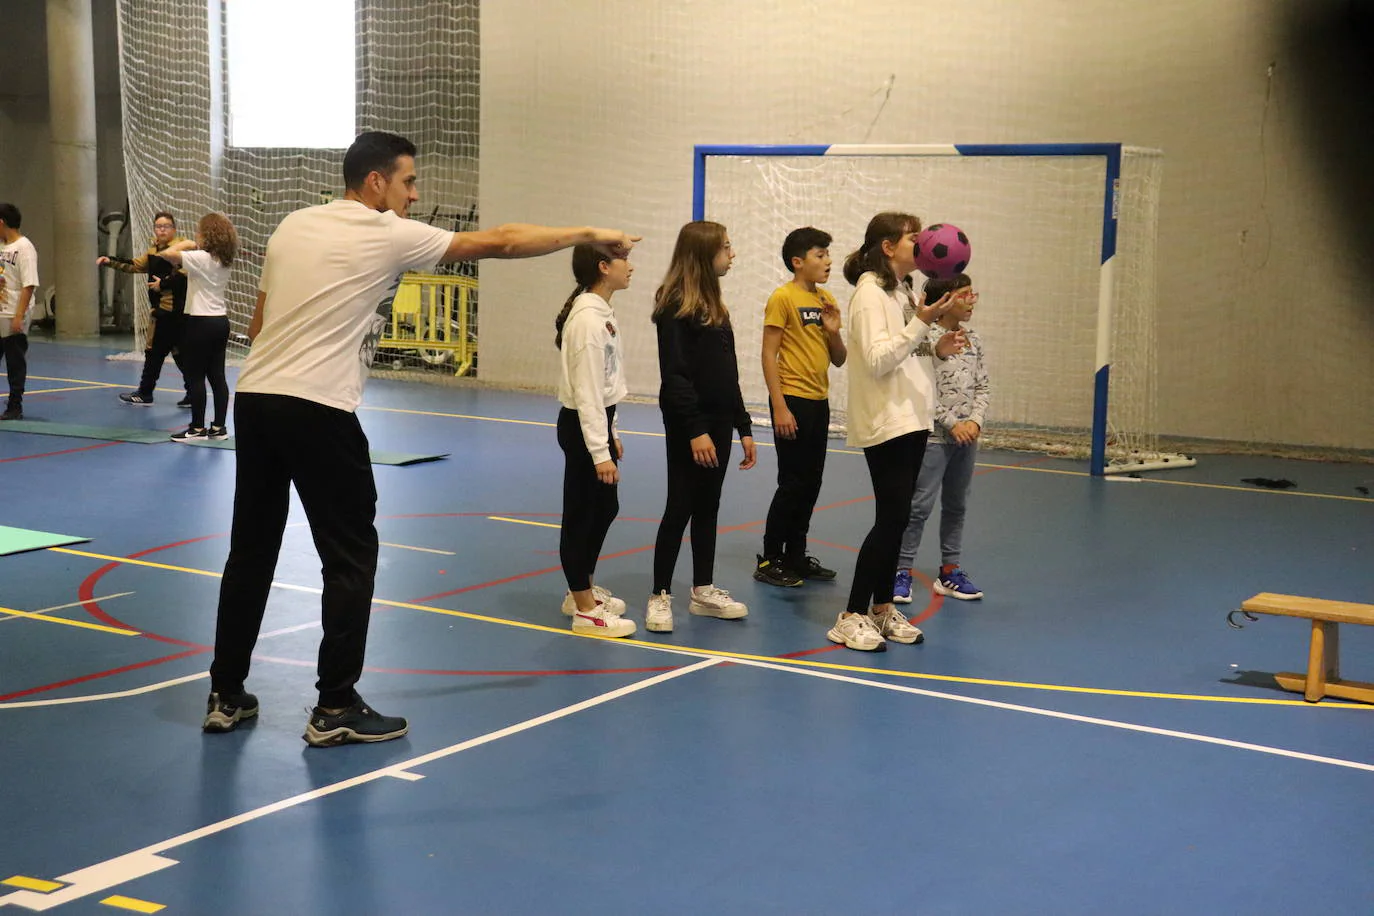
(1036, 227)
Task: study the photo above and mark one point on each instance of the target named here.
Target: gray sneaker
(358, 723)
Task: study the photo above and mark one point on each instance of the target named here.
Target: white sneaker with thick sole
(709, 601)
(603, 595)
(893, 624)
(857, 632)
(658, 618)
(601, 622)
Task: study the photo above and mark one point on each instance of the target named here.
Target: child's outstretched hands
(951, 343)
(929, 314)
(613, 242)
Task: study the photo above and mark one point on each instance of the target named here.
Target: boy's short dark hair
(935, 289)
(164, 214)
(10, 215)
(800, 241)
(373, 151)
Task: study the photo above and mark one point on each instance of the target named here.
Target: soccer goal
(1063, 239)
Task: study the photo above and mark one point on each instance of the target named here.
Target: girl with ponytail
(590, 385)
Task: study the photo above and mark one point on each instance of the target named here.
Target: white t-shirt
(328, 270)
(206, 279)
(18, 269)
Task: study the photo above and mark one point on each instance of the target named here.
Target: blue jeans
(946, 472)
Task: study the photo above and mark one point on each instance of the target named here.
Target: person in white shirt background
(205, 327)
(18, 280)
(591, 384)
(315, 327)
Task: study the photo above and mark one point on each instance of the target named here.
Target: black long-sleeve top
(698, 377)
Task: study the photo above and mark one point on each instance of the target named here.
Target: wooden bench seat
(1323, 676)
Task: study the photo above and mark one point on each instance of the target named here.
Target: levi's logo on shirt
(810, 315)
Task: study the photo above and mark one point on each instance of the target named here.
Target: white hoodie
(891, 367)
(593, 376)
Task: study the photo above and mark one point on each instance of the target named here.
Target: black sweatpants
(282, 441)
(801, 463)
(589, 506)
(14, 350)
(893, 467)
(166, 338)
(204, 339)
(693, 496)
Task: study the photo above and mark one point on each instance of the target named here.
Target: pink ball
(942, 251)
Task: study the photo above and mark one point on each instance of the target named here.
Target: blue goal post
(1111, 191)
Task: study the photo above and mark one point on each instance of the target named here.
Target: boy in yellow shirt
(801, 341)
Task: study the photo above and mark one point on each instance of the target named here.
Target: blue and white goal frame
(1111, 191)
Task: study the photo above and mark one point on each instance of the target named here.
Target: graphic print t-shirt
(330, 274)
(804, 356)
(18, 269)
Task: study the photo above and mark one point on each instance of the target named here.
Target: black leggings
(893, 467)
(203, 342)
(693, 495)
(13, 350)
(589, 506)
(165, 339)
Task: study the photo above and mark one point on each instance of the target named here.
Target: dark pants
(589, 506)
(165, 338)
(801, 462)
(203, 342)
(693, 496)
(14, 349)
(892, 466)
(283, 441)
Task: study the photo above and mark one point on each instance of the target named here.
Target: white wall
(590, 110)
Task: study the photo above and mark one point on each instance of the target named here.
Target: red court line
(99, 674)
(65, 451)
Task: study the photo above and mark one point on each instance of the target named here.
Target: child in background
(961, 401)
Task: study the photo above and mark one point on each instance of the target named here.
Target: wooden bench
(1323, 676)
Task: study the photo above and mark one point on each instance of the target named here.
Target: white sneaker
(709, 601)
(658, 618)
(857, 632)
(602, 595)
(893, 624)
(601, 622)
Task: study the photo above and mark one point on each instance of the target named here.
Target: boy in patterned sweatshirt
(961, 401)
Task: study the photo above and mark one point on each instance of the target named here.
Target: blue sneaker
(956, 584)
(901, 589)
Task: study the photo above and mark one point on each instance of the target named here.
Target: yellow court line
(78, 381)
(129, 903)
(447, 553)
(522, 521)
(34, 615)
(72, 388)
(33, 884)
(799, 662)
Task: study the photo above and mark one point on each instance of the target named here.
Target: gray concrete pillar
(70, 267)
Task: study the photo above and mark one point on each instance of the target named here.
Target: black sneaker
(771, 571)
(217, 432)
(224, 711)
(811, 568)
(191, 434)
(185, 402)
(12, 413)
(137, 400)
(357, 723)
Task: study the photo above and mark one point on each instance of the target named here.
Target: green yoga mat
(392, 458)
(77, 431)
(18, 540)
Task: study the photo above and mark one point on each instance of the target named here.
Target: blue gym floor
(1090, 738)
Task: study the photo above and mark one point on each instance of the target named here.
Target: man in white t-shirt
(315, 328)
(18, 280)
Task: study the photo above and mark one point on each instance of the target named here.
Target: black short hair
(165, 214)
(10, 215)
(374, 151)
(936, 289)
(800, 241)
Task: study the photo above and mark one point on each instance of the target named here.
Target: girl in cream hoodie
(891, 401)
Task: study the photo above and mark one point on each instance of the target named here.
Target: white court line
(1072, 717)
(131, 866)
(118, 695)
(63, 607)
